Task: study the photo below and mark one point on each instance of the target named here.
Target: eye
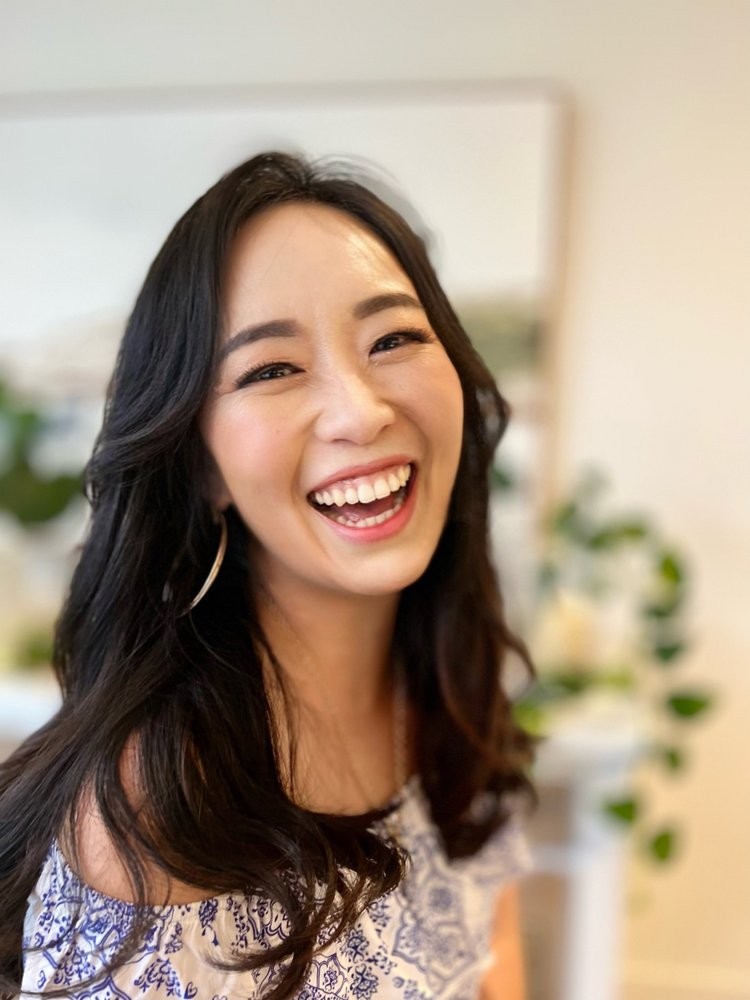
(398, 339)
(266, 372)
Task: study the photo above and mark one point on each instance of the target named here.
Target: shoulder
(503, 857)
(98, 860)
(99, 863)
(80, 940)
(507, 850)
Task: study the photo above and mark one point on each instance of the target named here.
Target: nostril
(355, 413)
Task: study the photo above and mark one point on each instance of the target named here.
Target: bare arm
(505, 979)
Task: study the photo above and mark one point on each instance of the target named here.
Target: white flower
(575, 629)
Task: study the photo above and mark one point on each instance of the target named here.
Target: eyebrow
(288, 328)
(273, 328)
(388, 300)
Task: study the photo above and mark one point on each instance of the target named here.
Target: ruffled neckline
(393, 810)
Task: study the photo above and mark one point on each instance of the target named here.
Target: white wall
(654, 343)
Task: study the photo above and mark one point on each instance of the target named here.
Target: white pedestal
(573, 904)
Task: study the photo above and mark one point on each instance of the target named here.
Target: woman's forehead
(303, 227)
(294, 252)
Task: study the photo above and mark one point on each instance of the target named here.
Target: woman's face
(336, 421)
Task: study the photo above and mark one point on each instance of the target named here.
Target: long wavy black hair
(187, 689)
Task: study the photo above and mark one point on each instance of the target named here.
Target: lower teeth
(370, 522)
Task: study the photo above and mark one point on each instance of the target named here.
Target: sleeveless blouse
(429, 938)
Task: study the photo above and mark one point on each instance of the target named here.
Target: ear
(216, 491)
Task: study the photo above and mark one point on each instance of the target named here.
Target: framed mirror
(90, 186)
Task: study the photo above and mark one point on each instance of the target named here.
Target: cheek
(444, 409)
(248, 450)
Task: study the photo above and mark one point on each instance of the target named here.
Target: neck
(334, 649)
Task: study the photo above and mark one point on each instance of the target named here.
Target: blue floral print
(428, 939)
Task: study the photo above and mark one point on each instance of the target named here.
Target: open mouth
(366, 501)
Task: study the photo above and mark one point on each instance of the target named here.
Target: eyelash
(415, 335)
(270, 371)
(262, 373)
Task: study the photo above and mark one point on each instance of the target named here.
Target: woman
(283, 762)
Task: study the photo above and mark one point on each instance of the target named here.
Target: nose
(352, 407)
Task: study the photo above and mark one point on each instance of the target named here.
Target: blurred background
(600, 153)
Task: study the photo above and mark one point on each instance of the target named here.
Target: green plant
(609, 616)
(25, 492)
(33, 496)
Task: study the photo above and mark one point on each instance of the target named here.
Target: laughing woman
(284, 765)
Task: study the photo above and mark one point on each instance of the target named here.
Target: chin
(392, 579)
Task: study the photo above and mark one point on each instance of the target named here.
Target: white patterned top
(429, 938)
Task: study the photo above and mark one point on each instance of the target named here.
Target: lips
(366, 500)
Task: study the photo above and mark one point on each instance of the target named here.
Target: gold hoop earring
(215, 567)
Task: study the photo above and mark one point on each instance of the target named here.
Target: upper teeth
(365, 489)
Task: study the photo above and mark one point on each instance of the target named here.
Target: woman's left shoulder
(503, 857)
(506, 852)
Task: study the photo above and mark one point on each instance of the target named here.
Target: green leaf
(501, 479)
(547, 575)
(573, 681)
(670, 568)
(624, 810)
(531, 718)
(32, 499)
(662, 845)
(23, 425)
(634, 531)
(617, 533)
(621, 679)
(545, 691)
(661, 610)
(603, 538)
(566, 520)
(668, 652)
(673, 758)
(34, 648)
(591, 483)
(688, 704)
